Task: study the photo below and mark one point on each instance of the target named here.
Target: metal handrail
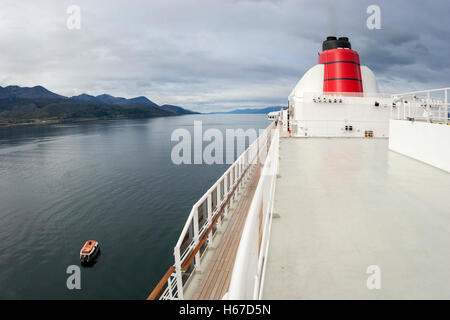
(155, 293)
(184, 259)
(247, 279)
(159, 287)
(206, 233)
(420, 105)
(421, 91)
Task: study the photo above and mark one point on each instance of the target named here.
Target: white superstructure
(315, 113)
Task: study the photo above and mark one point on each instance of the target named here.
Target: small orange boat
(89, 251)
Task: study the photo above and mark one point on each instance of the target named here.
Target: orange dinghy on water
(89, 251)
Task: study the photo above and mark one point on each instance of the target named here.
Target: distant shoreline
(45, 122)
(265, 110)
(24, 106)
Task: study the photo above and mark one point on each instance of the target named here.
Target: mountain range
(20, 105)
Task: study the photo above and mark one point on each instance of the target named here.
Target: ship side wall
(427, 142)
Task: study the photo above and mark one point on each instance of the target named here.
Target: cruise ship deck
(342, 205)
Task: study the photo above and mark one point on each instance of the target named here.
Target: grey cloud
(214, 55)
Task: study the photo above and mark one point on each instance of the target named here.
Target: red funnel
(342, 72)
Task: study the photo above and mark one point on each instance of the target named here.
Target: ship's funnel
(342, 72)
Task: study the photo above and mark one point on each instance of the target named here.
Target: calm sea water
(111, 181)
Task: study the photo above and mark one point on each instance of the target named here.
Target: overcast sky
(215, 55)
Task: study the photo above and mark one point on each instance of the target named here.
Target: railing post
(169, 287)
(236, 168)
(225, 193)
(196, 239)
(410, 103)
(209, 210)
(239, 169)
(178, 273)
(404, 110)
(219, 201)
(446, 106)
(245, 159)
(233, 181)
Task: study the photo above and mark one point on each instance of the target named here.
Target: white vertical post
(238, 189)
(169, 288)
(178, 273)
(225, 193)
(410, 105)
(240, 173)
(233, 180)
(405, 111)
(446, 106)
(209, 210)
(246, 165)
(196, 238)
(428, 107)
(219, 201)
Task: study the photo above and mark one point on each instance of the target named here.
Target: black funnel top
(334, 43)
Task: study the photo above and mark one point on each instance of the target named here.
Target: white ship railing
(426, 105)
(247, 281)
(206, 216)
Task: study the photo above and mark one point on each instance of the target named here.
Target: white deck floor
(346, 204)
